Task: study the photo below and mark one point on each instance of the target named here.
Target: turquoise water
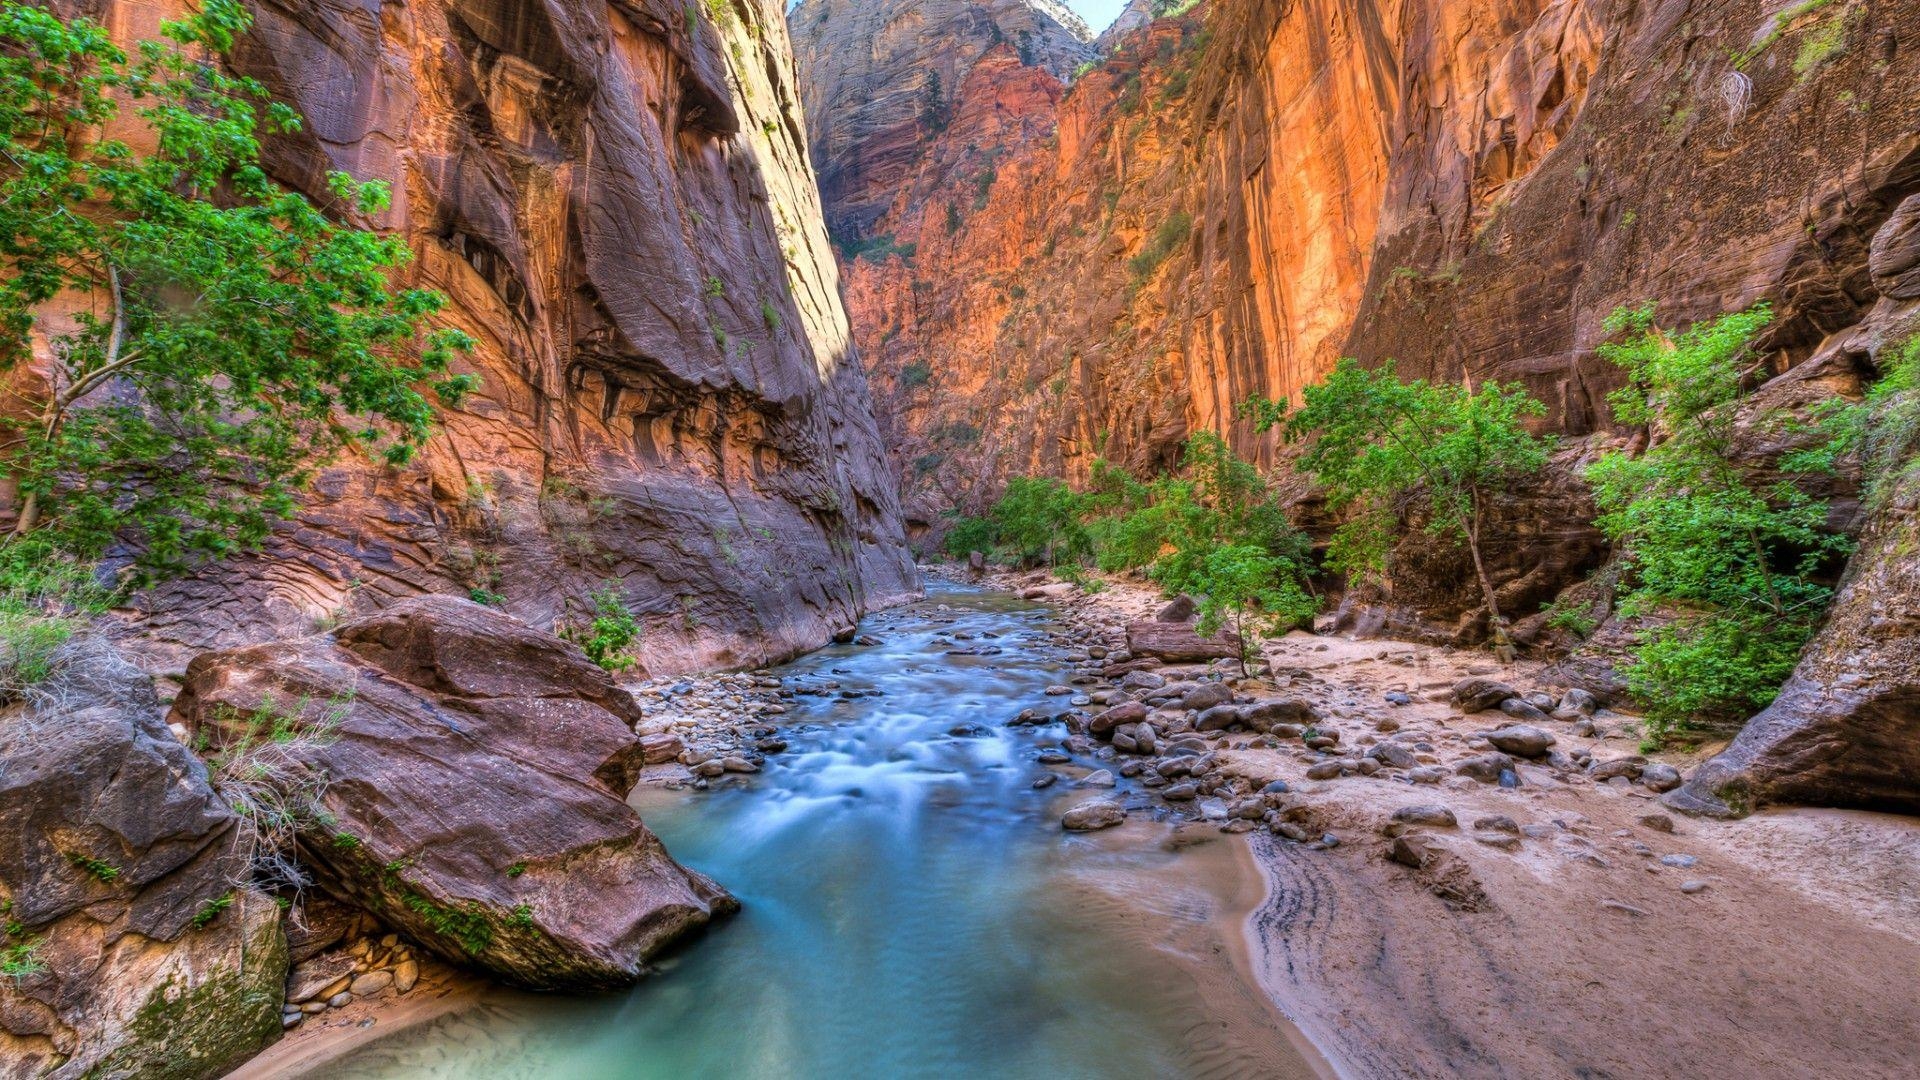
(911, 906)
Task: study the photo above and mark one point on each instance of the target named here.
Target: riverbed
(912, 907)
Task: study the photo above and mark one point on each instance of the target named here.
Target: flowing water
(911, 905)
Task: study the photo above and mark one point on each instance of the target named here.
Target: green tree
(1737, 561)
(236, 337)
(1039, 518)
(1377, 440)
(1250, 591)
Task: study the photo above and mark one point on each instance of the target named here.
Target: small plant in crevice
(210, 910)
(99, 868)
(610, 631)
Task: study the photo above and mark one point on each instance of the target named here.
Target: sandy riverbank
(1590, 932)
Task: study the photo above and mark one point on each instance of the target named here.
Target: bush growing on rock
(1738, 563)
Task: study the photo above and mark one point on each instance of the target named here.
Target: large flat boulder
(1178, 642)
(1845, 730)
(475, 774)
(124, 893)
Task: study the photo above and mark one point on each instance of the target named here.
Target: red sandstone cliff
(1252, 190)
(616, 195)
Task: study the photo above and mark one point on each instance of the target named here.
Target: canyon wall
(1243, 194)
(879, 82)
(617, 198)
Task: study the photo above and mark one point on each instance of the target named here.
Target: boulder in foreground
(475, 772)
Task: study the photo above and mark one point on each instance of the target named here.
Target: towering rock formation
(1247, 192)
(1243, 193)
(879, 80)
(616, 196)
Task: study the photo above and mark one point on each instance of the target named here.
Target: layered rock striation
(617, 198)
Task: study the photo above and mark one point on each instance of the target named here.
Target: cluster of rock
(369, 968)
(714, 725)
(455, 783)
(1197, 739)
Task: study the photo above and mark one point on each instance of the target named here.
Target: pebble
(1692, 886)
(1100, 779)
(340, 1000)
(1679, 862)
(1660, 777)
(371, 983)
(1045, 781)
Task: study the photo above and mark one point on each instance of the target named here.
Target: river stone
(465, 741)
(1477, 694)
(1393, 755)
(1180, 609)
(1628, 767)
(1205, 696)
(1580, 701)
(1325, 770)
(1142, 680)
(1522, 740)
(1425, 814)
(1218, 718)
(1268, 715)
(1103, 724)
(1485, 768)
(1098, 814)
(405, 974)
(1101, 779)
(316, 977)
(373, 982)
(1524, 711)
(1659, 777)
(1134, 738)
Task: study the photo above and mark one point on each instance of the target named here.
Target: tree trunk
(1502, 643)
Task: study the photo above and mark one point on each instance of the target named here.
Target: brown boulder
(124, 889)
(1476, 694)
(1179, 642)
(476, 775)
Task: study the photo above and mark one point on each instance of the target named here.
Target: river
(911, 906)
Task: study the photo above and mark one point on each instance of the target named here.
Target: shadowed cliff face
(1250, 191)
(616, 196)
(879, 79)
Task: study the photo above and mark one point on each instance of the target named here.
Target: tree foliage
(1376, 441)
(233, 337)
(1736, 563)
(1215, 529)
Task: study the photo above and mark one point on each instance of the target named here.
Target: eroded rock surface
(142, 953)
(881, 79)
(616, 198)
(476, 773)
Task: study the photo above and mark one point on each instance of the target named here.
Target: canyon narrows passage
(910, 907)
